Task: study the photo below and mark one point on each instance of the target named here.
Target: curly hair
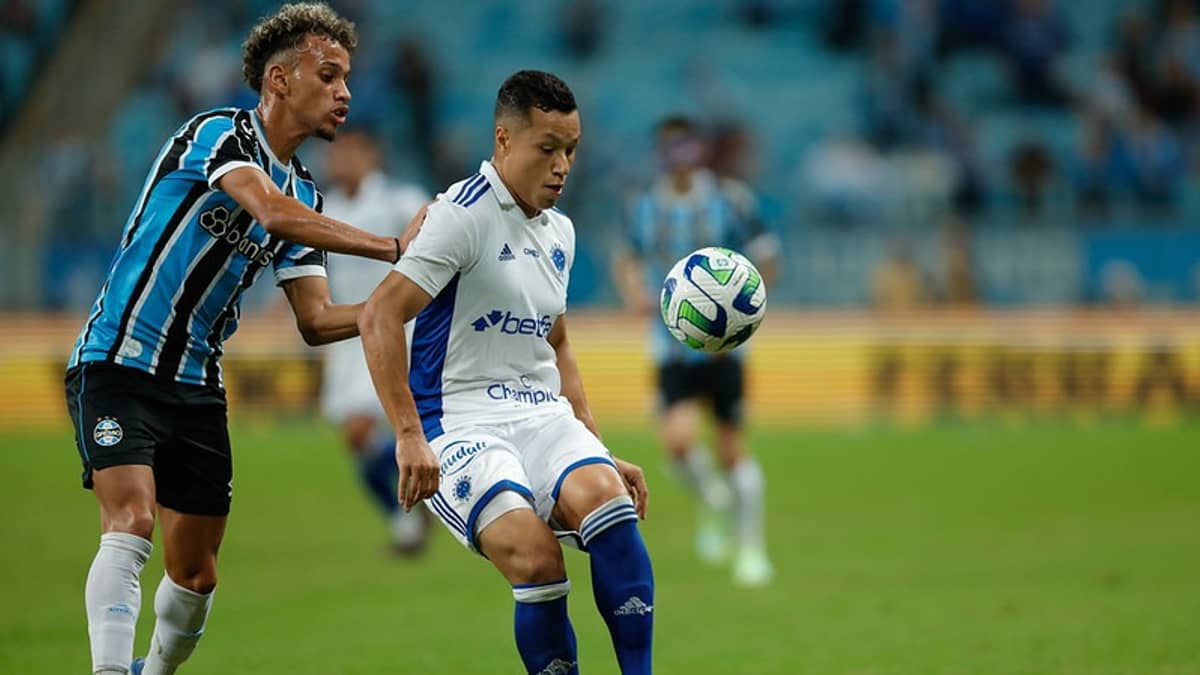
(287, 29)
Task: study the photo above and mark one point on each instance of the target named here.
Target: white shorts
(530, 456)
(346, 389)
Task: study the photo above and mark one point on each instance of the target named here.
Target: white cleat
(752, 569)
(712, 539)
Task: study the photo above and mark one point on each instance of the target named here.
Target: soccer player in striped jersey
(688, 208)
(495, 390)
(225, 199)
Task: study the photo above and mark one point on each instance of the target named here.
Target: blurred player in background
(226, 198)
(494, 388)
(361, 193)
(688, 207)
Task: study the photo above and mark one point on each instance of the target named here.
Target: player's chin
(326, 132)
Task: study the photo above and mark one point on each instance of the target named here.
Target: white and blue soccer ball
(713, 299)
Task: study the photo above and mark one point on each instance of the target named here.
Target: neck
(283, 134)
(528, 210)
(681, 181)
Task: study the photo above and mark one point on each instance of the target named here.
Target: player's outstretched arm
(628, 277)
(568, 372)
(288, 218)
(381, 324)
(319, 320)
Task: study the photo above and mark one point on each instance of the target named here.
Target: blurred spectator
(413, 76)
(582, 29)
(846, 181)
(1149, 160)
(1135, 53)
(943, 131)
(897, 283)
(1035, 37)
(1030, 170)
(731, 151)
(959, 283)
(1092, 167)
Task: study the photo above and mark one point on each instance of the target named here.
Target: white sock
(696, 470)
(113, 597)
(749, 487)
(180, 616)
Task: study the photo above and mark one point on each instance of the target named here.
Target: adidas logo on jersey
(506, 253)
(633, 606)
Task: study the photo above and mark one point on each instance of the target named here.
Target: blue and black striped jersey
(664, 226)
(188, 251)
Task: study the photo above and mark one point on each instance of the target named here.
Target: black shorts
(123, 416)
(720, 381)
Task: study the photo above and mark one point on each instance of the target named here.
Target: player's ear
(275, 78)
(503, 139)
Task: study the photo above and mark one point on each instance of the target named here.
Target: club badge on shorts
(462, 488)
(107, 432)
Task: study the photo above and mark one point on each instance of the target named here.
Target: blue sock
(378, 473)
(545, 638)
(622, 581)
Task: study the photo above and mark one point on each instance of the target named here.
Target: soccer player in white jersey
(495, 392)
(361, 193)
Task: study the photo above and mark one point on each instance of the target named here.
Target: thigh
(523, 548)
(676, 384)
(115, 422)
(475, 465)
(726, 383)
(194, 469)
(552, 450)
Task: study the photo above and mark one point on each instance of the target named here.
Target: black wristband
(397, 240)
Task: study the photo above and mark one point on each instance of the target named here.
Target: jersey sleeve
(295, 261)
(446, 245)
(749, 233)
(639, 226)
(221, 145)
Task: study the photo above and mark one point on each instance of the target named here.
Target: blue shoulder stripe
(463, 188)
(479, 193)
(469, 188)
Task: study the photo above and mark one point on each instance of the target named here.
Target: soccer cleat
(135, 668)
(752, 569)
(712, 538)
(410, 531)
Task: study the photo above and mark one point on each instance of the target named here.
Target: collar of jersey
(503, 196)
(262, 140)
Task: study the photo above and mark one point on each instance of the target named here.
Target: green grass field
(975, 549)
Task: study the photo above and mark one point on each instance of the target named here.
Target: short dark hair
(287, 29)
(527, 89)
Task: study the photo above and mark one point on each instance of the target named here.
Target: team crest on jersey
(107, 432)
(559, 258)
(462, 488)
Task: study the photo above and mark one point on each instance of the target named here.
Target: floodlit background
(975, 394)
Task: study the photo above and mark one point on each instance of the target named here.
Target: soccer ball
(713, 299)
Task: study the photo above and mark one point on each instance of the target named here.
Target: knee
(537, 565)
(198, 576)
(137, 519)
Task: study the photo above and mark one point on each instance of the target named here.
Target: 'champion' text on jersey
(499, 282)
(188, 251)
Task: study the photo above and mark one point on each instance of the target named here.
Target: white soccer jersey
(380, 207)
(499, 282)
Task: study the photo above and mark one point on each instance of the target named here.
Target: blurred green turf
(975, 549)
